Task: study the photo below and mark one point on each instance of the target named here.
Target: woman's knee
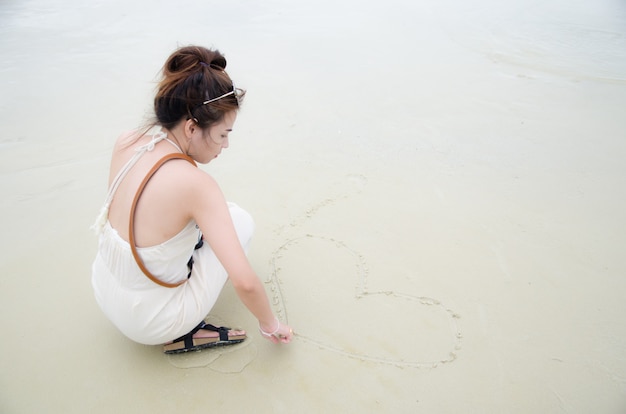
(244, 224)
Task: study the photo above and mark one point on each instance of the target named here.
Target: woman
(168, 238)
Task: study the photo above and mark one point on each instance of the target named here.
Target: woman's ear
(190, 128)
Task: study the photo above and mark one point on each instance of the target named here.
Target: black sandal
(188, 343)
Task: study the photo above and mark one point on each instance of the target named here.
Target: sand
(439, 191)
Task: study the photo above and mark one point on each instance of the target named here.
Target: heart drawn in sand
(319, 285)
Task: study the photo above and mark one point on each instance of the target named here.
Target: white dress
(141, 309)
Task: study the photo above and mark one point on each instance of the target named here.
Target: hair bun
(187, 58)
(218, 62)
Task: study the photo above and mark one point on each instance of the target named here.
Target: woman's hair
(193, 75)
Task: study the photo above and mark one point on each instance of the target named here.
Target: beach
(438, 189)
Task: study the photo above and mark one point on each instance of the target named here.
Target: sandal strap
(222, 330)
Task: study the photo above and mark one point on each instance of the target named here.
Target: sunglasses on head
(235, 91)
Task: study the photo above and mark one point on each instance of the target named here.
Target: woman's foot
(204, 336)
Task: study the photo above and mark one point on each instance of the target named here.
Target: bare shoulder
(188, 178)
(197, 190)
(122, 151)
(127, 139)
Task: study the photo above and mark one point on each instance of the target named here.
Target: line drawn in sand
(347, 318)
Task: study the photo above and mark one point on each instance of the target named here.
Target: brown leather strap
(131, 225)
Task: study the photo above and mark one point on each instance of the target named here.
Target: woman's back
(161, 211)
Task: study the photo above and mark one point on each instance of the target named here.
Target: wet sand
(439, 192)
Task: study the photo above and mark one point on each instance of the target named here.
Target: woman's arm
(211, 213)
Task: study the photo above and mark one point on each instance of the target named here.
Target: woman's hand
(277, 332)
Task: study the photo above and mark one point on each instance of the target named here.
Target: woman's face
(206, 145)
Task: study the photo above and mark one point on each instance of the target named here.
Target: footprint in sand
(319, 285)
(227, 360)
